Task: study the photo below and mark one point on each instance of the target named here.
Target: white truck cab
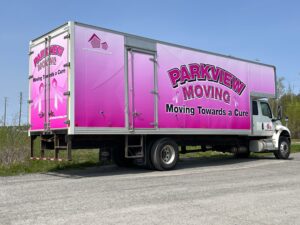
(267, 131)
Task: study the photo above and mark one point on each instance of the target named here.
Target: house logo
(96, 42)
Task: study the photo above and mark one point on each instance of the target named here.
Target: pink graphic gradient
(99, 81)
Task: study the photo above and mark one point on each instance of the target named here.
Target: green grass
(207, 154)
(295, 148)
(81, 160)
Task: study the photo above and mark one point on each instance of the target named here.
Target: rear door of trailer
(49, 81)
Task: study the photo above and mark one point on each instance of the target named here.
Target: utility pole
(20, 112)
(5, 103)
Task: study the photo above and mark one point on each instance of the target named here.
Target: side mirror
(279, 112)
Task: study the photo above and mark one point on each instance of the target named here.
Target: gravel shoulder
(200, 191)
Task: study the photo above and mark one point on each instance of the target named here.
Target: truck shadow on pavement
(183, 164)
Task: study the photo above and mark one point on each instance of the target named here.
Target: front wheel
(164, 154)
(284, 148)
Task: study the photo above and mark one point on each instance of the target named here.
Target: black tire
(118, 156)
(164, 154)
(148, 162)
(284, 148)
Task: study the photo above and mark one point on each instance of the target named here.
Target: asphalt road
(199, 191)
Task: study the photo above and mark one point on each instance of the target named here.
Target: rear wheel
(164, 154)
(148, 161)
(284, 148)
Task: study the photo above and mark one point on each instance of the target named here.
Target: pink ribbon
(58, 97)
(40, 95)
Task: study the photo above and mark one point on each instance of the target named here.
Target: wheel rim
(284, 147)
(168, 154)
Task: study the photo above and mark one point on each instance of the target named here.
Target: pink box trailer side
(89, 83)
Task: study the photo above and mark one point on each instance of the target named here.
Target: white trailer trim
(71, 79)
(145, 40)
(173, 131)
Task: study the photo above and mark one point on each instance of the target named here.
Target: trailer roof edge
(157, 41)
(49, 32)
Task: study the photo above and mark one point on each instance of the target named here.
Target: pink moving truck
(143, 100)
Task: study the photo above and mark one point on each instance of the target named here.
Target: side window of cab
(265, 109)
(254, 108)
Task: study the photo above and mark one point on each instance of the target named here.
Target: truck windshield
(265, 109)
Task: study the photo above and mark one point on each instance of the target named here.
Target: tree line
(290, 103)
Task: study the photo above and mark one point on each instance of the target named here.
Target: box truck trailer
(145, 100)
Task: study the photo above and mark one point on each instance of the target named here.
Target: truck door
(49, 83)
(141, 94)
(262, 119)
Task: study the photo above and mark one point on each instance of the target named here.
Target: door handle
(41, 114)
(262, 126)
(51, 113)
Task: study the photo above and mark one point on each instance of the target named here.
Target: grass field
(81, 159)
(15, 159)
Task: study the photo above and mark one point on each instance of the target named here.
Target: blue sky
(265, 30)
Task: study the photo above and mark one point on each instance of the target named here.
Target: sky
(265, 30)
